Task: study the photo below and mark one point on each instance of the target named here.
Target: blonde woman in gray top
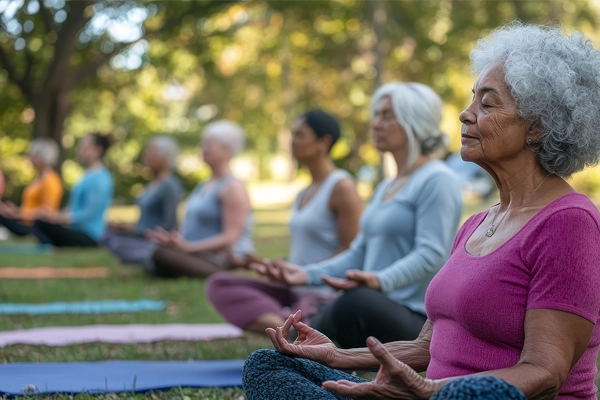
(216, 232)
(324, 222)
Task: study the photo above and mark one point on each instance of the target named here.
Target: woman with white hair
(518, 300)
(406, 231)
(44, 193)
(216, 230)
(158, 206)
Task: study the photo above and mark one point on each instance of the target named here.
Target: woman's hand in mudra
(395, 380)
(354, 278)
(310, 344)
(281, 271)
(159, 236)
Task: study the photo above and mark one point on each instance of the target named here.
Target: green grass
(186, 304)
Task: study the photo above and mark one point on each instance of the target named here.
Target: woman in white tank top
(324, 220)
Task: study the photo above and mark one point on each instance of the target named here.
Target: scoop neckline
(297, 204)
(392, 199)
(517, 233)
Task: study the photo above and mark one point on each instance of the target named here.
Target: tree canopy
(141, 68)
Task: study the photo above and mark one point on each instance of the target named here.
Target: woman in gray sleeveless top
(158, 206)
(406, 231)
(324, 220)
(216, 230)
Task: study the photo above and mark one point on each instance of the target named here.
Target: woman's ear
(326, 141)
(534, 130)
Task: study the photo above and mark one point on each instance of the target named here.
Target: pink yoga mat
(66, 335)
(52, 273)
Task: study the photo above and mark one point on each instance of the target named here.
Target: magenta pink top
(478, 304)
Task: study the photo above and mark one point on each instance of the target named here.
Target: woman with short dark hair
(324, 221)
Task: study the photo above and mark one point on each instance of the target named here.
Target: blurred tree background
(142, 68)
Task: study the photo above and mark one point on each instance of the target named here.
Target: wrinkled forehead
(385, 103)
(491, 76)
(302, 126)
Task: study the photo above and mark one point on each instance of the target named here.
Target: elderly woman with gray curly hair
(517, 303)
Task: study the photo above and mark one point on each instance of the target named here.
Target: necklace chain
(394, 185)
(492, 229)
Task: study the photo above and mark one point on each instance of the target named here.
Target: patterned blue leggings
(268, 374)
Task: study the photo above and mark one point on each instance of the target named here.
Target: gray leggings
(362, 312)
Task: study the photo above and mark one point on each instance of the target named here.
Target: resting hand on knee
(310, 344)
(395, 380)
(281, 271)
(354, 278)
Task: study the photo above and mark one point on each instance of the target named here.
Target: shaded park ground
(186, 304)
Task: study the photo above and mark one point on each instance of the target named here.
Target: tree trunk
(379, 20)
(51, 111)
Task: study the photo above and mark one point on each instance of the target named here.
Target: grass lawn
(186, 304)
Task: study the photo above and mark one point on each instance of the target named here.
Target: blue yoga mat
(116, 376)
(83, 307)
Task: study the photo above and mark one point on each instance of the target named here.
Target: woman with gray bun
(405, 234)
(158, 206)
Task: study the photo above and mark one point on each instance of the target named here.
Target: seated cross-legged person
(324, 220)
(82, 223)
(158, 206)
(405, 234)
(44, 193)
(216, 231)
(514, 312)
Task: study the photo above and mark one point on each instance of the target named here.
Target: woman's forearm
(215, 243)
(414, 353)
(535, 382)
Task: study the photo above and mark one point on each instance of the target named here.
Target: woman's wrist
(354, 359)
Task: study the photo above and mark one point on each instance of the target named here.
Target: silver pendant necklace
(492, 229)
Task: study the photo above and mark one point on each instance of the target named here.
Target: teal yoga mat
(25, 248)
(83, 307)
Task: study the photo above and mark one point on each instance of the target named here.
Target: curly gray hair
(555, 81)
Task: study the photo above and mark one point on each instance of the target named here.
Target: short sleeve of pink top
(477, 304)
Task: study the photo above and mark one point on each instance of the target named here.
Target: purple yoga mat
(66, 335)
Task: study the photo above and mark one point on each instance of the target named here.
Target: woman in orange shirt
(44, 193)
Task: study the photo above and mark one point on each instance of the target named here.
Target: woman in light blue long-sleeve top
(82, 222)
(406, 231)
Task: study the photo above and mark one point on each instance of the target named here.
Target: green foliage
(259, 63)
